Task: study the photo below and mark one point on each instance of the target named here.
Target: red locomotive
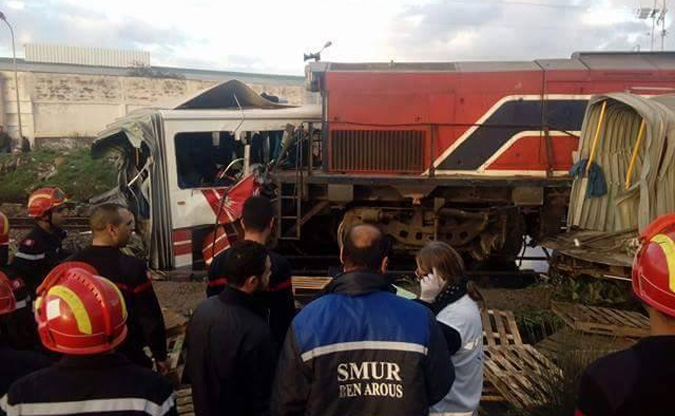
(472, 153)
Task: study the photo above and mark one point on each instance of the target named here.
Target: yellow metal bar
(597, 136)
(633, 159)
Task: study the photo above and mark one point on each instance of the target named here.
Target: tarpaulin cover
(652, 183)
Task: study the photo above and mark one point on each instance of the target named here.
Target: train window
(207, 159)
(265, 145)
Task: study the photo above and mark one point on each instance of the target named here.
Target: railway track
(74, 223)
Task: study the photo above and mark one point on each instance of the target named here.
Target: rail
(73, 223)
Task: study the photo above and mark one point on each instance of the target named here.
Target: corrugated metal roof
(579, 61)
(561, 65)
(64, 54)
(6, 64)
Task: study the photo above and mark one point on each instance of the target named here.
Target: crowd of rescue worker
(83, 333)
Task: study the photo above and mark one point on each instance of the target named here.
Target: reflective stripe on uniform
(29, 256)
(364, 345)
(217, 282)
(452, 414)
(143, 287)
(123, 404)
(21, 304)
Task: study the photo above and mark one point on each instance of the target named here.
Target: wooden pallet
(567, 341)
(490, 394)
(184, 402)
(500, 328)
(517, 373)
(175, 325)
(602, 321)
(311, 284)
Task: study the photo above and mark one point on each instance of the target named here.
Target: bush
(74, 171)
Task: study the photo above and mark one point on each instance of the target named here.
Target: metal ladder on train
(288, 224)
(284, 230)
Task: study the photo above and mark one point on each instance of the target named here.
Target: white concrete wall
(70, 106)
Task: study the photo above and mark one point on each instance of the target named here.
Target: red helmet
(44, 200)
(80, 313)
(4, 230)
(7, 300)
(654, 265)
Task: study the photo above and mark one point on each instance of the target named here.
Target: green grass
(76, 173)
(534, 326)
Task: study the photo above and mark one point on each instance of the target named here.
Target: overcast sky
(271, 35)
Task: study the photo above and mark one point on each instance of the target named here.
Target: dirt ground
(530, 299)
(183, 297)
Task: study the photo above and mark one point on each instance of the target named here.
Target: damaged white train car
(175, 165)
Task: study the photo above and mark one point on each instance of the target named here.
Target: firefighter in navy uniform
(112, 225)
(42, 249)
(83, 316)
(14, 364)
(639, 381)
(257, 221)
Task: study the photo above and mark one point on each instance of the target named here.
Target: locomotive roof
(580, 61)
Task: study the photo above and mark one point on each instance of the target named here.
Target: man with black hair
(230, 359)
(111, 226)
(257, 221)
(360, 349)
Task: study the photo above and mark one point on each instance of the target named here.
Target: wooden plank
(184, 393)
(490, 394)
(562, 313)
(595, 315)
(309, 283)
(504, 339)
(618, 317)
(488, 338)
(637, 319)
(602, 321)
(514, 328)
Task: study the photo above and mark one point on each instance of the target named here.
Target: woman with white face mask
(455, 302)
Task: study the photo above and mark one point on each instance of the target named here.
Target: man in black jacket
(257, 221)
(112, 225)
(230, 360)
(359, 349)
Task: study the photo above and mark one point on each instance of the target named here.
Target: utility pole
(653, 24)
(662, 20)
(16, 77)
(658, 16)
